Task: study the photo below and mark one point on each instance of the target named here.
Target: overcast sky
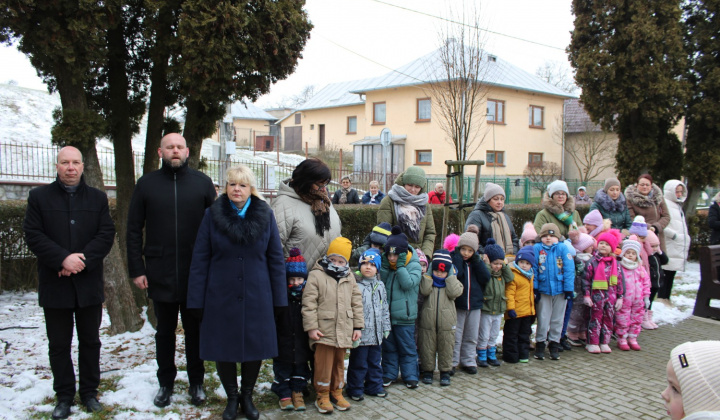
(355, 39)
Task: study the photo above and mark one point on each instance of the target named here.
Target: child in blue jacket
(554, 271)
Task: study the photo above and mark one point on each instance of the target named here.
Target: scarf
(373, 197)
(240, 212)
(296, 291)
(320, 206)
(501, 232)
(630, 265)
(583, 256)
(529, 273)
(343, 197)
(600, 280)
(438, 282)
(409, 210)
(333, 270)
(562, 213)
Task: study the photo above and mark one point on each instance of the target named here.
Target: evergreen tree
(628, 56)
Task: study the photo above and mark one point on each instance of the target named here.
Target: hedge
(18, 267)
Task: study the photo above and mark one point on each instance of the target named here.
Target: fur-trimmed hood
(243, 231)
(553, 207)
(654, 199)
(610, 205)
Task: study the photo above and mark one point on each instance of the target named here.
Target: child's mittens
(355, 344)
(647, 302)
(402, 260)
(618, 304)
(569, 295)
(512, 314)
(587, 300)
(386, 334)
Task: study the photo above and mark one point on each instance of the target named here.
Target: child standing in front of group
(400, 272)
(333, 318)
(438, 318)
(554, 280)
(629, 318)
(364, 375)
(656, 259)
(520, 308)
(576, 325)
(494, 304)
(602, 292)
(473, 275)
(290, 367)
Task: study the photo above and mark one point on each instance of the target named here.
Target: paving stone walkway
(621, 385)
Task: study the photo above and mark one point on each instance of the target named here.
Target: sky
(356, 39)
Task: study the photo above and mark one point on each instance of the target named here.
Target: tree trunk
(124, 313)
(690, 205)
(191, 131)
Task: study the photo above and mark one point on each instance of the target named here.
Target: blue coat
(554, 269)
(238, 276)
(366, 197)
(474, 276)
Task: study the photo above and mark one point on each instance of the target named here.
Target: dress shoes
(162, 398)
(62, 410)
(197, 394)
(92, 405)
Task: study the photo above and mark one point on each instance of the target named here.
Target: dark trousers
(365, 374)
(516, 338)
(59, 324)
(289, 377)
(227, 371)
(399, 353)
(653, 294)
(167, 320)
(568, 310)
(666, 287)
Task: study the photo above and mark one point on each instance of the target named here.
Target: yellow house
(243, 122)
(517, 117)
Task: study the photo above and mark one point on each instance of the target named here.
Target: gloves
(386, 334)
(587, 300)
(384, 263)
(512, 314)
(402, 260)
(569, 295)
(647, 303)
(618, 304)
(537, 294)
(355, 344)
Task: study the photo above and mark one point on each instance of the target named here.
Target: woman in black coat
(237, 276)
(714, 220)
(492, 221)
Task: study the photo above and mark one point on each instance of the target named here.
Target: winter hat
(581, 241)
(594, 218)
(528, 233)
(470, 238)
(451, 242)
(611, 182)
(631, 243)
(611, 237)
(372, 255)
(493, 250)
(441, 261)
(526, 253)
(639, 227)
(557, 185)
(697, 367)
(397, 242)
(582, 188)
(295, 265)
(421, 256)
(491, 190)
(549, 229)
(380, 233)
(340, 246)
(413, 176)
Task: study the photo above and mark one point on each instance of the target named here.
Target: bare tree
(456, 77)
(305, 94)
(558, 75)
(542, 173)
(591, 150)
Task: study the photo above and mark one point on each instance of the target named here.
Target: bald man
(437, 196)
(168, 205)
(68, 227)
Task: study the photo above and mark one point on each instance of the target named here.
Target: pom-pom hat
(470, 238)
(380, 233)
(397, 242)
(639, 227)
(581, 241)
(493, 250)
(295, 265)
(612, 237)
(528, 234)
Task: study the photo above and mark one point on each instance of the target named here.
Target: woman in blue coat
(237, 277)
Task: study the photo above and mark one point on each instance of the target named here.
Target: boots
(540, 350)
(323, 402)
(250, 372)
(623, 344)
(337, 399)
(228, 377)
(650, 318)
(593, 348)
(632, 342)
(646, 322)
(482, 357)
(247, 406)
(554, 350)
(565, 344)
(297, 401)
(491, 357)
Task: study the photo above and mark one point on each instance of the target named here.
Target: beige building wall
(245, 130)
(335, 121)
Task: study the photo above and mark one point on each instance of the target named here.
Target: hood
(608, 204)
(286, 189)
(483, 206)
(636, 199)
(669, 189)
(553, 207)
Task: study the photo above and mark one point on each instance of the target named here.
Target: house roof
(576, 119)
(428, 68)
(336, 94)
(244, 110)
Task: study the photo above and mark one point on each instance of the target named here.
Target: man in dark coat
(68, 227)
(169, 204)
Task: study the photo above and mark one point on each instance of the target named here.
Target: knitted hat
(611, 237)
(652, 238)
(594, 218)
(528, 233)
(491, 190)
(582, 188)
(581, 241)
(639, 227)
(441, 261)
(631, 243)
(380, 233)
(413, 176)
(421, 256)
(494, 251)
(557, 185)
(451, 242)
(697, 367)
(611, 182)
(340, 246)
(526, 253)
(397, 242)
(549, 229)
(372, 255)
(295, 265)
(470, 238)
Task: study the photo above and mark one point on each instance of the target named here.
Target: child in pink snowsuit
(637, 296)
(603, 291)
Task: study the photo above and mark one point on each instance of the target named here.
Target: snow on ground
(685, 287)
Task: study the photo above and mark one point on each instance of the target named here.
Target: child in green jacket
(493, 304)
